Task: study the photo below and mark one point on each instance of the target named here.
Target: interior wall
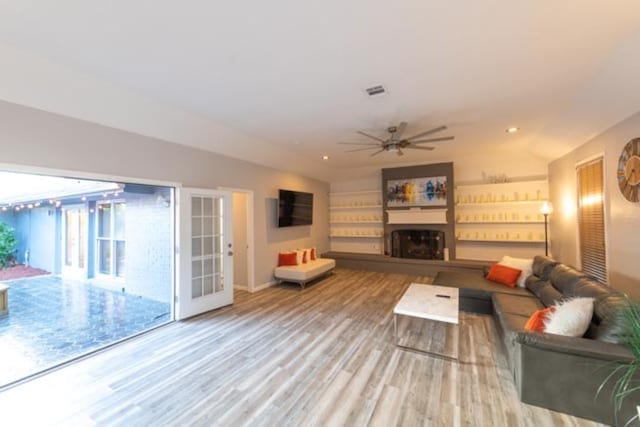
(36, 138)
(622, 218)
(240, 242)
(431, 170)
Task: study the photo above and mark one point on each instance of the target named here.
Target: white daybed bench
(304, 273)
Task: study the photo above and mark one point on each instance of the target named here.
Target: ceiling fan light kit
(395, 143)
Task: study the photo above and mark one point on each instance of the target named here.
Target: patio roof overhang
(27, 190)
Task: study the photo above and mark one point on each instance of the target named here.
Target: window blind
(591, 219)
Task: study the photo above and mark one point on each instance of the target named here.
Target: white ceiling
(284, 80)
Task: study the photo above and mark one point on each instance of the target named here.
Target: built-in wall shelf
(356, 221)
(508, 202)
(356, 207)
(499, 222)
(500, 218)
(354, 193)
(354, 236)
(499, 240)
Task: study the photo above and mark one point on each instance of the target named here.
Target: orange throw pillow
(313, 254)
(536, 321)
(504, 275)
(287, 258)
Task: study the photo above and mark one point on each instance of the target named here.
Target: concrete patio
(52, 320)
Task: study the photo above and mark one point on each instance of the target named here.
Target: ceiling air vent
(376, 90)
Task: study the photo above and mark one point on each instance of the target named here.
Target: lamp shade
(546, 208)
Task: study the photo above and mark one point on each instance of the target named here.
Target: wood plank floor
(321, 356)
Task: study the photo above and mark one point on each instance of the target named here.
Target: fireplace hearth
(417, 244)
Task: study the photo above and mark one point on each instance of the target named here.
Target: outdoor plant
(627, 383)
(7, 245)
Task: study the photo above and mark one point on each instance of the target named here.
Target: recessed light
(325, 157)
(512, 129)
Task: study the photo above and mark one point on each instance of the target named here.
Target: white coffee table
(437, 304)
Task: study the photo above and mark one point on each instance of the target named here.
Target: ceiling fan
(395, 143)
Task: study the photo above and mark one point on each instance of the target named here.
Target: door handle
(230, 253)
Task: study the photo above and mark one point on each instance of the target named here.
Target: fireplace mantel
(417, 216)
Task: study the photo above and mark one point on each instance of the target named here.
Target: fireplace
(420, 244)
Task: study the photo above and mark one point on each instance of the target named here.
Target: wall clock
(629, 170)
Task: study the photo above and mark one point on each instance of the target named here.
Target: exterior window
(593, 254)
(111, 241)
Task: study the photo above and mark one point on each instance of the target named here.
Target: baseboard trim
(241, 287)
(264, 285)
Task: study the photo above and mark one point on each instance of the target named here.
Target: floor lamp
(545, 210)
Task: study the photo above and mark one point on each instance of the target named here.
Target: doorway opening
(87, 263)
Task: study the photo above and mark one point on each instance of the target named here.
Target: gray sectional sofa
(552, 371)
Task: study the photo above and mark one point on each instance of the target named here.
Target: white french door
(205, 251)
(74, 241)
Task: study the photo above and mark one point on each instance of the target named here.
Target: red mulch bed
(19, 271)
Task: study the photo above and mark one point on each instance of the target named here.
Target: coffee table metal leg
(430, 353)
(395, 328)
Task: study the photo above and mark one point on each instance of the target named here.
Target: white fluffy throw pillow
(523, 264)
(570, 317)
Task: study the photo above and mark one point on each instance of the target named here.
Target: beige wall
(622, 217)
(36, 138)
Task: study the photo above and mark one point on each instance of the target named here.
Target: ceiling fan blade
(397, 135)
(360, 143)
(444, 138)
(370, 136)
(362, 149)
(421, 148)
(377, 152)
(429, 132)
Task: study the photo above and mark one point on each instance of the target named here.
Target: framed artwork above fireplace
(410, 192)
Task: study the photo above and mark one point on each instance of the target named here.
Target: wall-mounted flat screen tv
(295, 208)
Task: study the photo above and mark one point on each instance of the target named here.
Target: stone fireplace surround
(447, 227)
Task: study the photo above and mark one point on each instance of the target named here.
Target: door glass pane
(196, 268)
(196, 246)
(104, 220)
(207, 207)
(196, 206)
(104, 247)
(196, 288)
(68, 242)
(217, 242)
(218, 264)
(217, 225)
(208, 266)
(207, 285)
(208, 246)
(119, 211)
(207, 228)
(82, 225)
(120, 256)
(196, 226)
